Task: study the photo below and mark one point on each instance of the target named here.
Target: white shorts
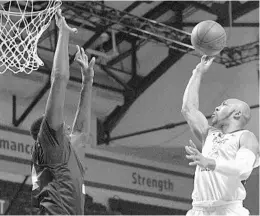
(233, 209)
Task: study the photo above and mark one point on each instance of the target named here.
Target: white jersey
(213, 188)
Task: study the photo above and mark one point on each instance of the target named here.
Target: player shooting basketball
(57, 170)
(229, 152)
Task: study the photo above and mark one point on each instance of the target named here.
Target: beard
(218, 121)
(214, 119)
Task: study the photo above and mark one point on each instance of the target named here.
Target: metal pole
(14, 110)
(164, 127)
(134, 58)
(117, 79)
(37, 98)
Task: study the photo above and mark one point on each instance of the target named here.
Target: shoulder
(247, 135)
(248, 140)
(78, 139)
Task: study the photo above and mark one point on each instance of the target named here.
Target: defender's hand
(204, 64)
(62, 24)
(87, 69)
(196, 156)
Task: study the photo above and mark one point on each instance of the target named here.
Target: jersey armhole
(239, 136)
(57, 135)
(210, 130)
(257, 159)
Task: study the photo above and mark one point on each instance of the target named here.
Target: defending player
(57, 170)
(228, 155)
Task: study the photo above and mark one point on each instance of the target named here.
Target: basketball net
(21, 26)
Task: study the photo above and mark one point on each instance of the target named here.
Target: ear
(237, 114)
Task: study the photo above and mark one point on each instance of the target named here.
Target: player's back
(213, 187)
(57, 174)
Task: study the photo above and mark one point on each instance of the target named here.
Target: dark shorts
(43, 211)
(53, 211)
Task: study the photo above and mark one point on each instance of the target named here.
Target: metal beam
(37, 98)
(238, 11)
(116, 78)
(134, 59)
(158, 71)
(133, 6)
(122, 56)
(78, 24)
(237, 55)
(240, 24)
(199, 6)
(164, 127)
(89, 42)
(141, 85)
(101, 30)
(112, 120)
(152, 14)
(244, 9)
(178, 8)
(78, 80)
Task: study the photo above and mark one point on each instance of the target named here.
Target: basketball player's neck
(229, 128)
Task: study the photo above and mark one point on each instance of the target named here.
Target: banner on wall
(110, 173)
(119, 175)
(15, 150)
(15, 143)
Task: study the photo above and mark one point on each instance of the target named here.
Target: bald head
(243, 108)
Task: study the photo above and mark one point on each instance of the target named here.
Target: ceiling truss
(137, 31)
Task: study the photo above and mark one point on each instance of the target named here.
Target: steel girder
(239, 11)
(240, 24)
(163, 127)
(225, 57)
(153, 14)
(149, 30)
(140, 85)
(136, 26)
(237, 55)
(117, 114)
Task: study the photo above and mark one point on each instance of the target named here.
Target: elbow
(185, 110)
(59, 78)
(188, 108)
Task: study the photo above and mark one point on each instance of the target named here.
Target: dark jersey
(57, 174)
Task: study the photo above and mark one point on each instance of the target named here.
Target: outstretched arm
(59, 76)
(190, 107)
(81, 124)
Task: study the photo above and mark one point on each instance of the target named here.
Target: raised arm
(81, 124)
(59, 76)
(190, 107)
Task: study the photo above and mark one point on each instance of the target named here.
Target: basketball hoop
(21, 25)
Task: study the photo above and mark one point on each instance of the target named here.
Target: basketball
(208, 37)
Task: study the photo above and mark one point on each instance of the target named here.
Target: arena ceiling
(120, 73)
